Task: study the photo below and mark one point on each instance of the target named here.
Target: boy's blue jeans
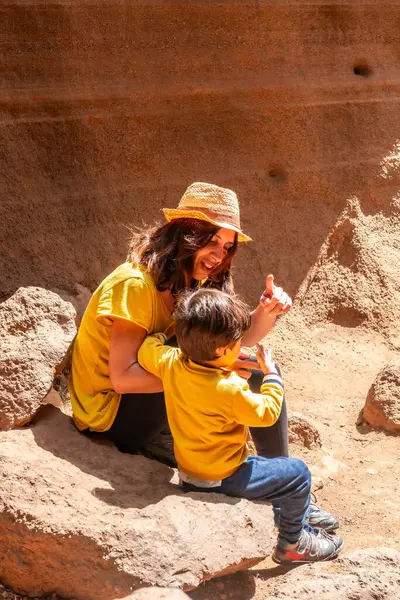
(284, 482)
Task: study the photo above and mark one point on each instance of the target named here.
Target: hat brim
(175, 213)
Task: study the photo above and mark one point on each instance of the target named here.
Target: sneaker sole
(294, 562)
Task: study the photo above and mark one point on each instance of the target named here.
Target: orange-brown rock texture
(108, 109)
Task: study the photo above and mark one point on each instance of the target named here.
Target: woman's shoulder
(127, 294)
(130, 276)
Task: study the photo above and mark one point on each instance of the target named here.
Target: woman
(110, 393)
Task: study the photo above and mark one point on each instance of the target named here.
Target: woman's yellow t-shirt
(127, 293)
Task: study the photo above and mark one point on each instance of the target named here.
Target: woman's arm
(126, 375)
(273, 302)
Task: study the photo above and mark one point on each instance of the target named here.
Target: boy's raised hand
(264, 356)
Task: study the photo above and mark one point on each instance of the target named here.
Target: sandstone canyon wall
(108, 109)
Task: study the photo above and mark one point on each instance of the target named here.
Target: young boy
(209, 408)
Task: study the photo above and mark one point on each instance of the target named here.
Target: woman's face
(211, 256)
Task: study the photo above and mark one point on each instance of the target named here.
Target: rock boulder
(382, 406)
(36, 330)
(303, 431)
(82, 520)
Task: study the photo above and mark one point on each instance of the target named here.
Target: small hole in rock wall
(362, 69)
(277, 174)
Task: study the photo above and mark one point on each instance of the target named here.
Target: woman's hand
(245, 361)
(274, 300)
(242, 365)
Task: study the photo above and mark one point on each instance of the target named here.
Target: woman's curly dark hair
(167, 252)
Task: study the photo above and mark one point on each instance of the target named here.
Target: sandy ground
(327, 373)
(360, 467)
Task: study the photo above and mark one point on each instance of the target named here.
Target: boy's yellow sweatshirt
(209, 410)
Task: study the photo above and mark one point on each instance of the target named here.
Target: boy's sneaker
(311, 547)
(319, 518)
(316, 517)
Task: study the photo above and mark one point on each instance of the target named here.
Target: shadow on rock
(135, 481)
(240, 585)
(364, 428)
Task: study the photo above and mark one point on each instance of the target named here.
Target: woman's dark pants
(141, 417)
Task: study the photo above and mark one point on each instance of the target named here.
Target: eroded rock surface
(359, 575)
(36, 331)
(382, 406)
(303, 431)
(80, 519)
(110, 109)
(354, 282)
(157, 594)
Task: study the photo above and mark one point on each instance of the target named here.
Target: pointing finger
(269, 284)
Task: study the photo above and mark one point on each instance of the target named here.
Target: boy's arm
(259, 410)
(153, 354)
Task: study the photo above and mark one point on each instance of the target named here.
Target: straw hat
(211, 203)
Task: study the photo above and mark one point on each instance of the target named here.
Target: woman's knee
(139, 418)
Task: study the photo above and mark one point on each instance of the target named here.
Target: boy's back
(209, 409)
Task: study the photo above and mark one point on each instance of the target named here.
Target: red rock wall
(108, 109)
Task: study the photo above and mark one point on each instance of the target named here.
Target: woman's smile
(208, 258)
(209, 265)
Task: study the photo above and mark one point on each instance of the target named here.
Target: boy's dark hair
(208, 319)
